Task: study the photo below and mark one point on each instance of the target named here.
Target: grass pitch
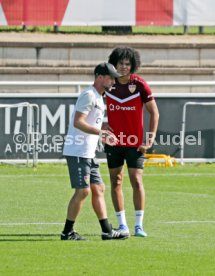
(179, 219)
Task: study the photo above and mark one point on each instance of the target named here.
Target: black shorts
(117, 154)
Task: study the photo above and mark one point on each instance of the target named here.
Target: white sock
(121, 217)
(139, 214)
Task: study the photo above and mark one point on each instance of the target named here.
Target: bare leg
(116, 177)
(138, 199)
(76, 203)
(98, 201)
(135, 176)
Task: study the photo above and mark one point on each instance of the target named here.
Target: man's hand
(106, 126)
(144, 147)
(149, 142)
(108, 137)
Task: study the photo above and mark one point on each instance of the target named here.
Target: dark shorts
(83, 172)
(116, 156)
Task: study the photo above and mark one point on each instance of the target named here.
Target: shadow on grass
(32, 237)
(27, 237)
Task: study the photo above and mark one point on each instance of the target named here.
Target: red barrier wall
(34, 12)
(154, 12)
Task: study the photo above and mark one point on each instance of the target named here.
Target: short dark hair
(121, 53)
(106, 69)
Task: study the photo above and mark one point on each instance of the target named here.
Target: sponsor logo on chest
(113, 107)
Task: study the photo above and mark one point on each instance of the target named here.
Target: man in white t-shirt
(79, 149)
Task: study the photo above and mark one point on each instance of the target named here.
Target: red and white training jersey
(125, 110)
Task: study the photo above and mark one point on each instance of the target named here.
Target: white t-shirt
(77, 142)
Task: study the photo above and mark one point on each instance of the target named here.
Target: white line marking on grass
(181, 174)
(187, 222)
(31, 175)
(145, 174)
(59, 223)
(172, 174)
(187, 194)
(30, 223)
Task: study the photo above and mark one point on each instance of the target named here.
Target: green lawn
(179, 219)
(153, 30)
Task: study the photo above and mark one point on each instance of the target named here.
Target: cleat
(139, 232)
(124, 229)
(71, 236)
(114, 235)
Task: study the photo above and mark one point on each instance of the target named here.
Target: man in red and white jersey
(125, 102)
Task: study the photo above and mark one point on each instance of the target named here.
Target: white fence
(80, 84)
(32, 127)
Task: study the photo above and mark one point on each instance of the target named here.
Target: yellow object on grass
(159, 160)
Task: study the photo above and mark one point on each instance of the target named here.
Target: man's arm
(80, 123)
(151, 107)
(106, 136)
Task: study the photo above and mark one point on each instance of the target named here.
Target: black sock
(68, 226)
(105, 225)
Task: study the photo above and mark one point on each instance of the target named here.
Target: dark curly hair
(121, 53)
